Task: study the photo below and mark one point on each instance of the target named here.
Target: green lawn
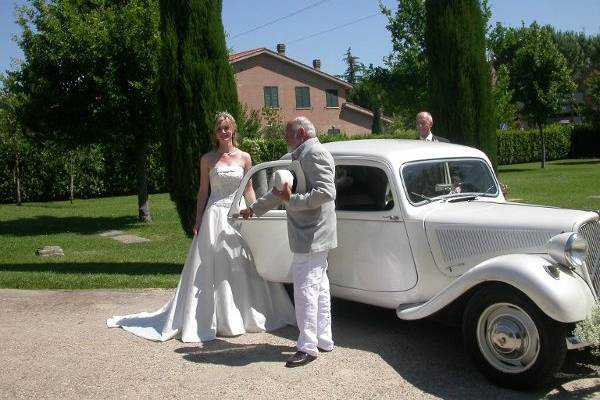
(92, 261)
(563, 183)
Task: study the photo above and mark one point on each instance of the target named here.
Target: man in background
(424, 124)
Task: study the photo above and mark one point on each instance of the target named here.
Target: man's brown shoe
(322, 350)
(299, 359)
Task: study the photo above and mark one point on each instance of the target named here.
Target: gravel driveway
(55, 344)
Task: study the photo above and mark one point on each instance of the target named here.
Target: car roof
(399, 151)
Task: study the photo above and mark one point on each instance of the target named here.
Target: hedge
(100, 171)
(106, 171)
(521, 146)
(514, 146)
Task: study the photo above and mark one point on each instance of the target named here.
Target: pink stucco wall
(254, 73)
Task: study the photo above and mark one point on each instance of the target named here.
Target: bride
(219, 292)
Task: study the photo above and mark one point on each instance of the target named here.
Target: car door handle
(392, 217)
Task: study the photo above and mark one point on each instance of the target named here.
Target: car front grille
(591, 232)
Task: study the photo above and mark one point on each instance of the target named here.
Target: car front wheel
(511, 340)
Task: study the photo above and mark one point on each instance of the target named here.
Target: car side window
(362, 188)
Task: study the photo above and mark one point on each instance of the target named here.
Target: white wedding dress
(219, 292)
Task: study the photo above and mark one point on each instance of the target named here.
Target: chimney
(317, 64)
(281, 49)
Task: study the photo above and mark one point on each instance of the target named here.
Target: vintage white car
(423, 228)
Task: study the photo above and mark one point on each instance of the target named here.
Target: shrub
(588, 330)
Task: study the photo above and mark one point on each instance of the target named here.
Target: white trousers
(312, 302)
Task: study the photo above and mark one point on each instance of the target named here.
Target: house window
(333, 131)
(271, 97)
(302, 97)
(331, 98)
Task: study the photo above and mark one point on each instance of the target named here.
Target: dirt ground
(55, 344)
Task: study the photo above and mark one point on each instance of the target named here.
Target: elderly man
(312, 233)
(424, 124)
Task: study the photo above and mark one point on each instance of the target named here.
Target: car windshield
(426, 181)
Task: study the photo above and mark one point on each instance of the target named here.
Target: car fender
(560, 293)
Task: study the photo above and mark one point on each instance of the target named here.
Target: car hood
(463, 234)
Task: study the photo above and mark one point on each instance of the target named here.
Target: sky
(324, 29)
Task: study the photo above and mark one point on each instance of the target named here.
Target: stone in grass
(110, 233)
(128, 239)
(48, 251)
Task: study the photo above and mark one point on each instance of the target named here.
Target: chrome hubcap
(508, 338)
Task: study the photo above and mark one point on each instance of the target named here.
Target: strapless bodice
(224, 181)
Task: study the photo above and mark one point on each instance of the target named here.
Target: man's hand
(284, 194)
(247, 213)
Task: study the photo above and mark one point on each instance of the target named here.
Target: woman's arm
(202, 195)
(249, 194)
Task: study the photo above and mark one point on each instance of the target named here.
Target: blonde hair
(224, 115)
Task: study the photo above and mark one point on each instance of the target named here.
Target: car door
(373, 252)
(265, 237)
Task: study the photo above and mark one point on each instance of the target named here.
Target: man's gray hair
(305, 123)
(427, 115)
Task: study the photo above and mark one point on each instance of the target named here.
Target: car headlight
(568, 249)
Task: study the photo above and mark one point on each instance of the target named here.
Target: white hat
(294, 177)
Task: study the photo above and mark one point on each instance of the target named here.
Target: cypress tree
(459, 76)
(376, 124)
(196, 81)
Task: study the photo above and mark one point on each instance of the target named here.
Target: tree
(376, 124)
(11, 129)
(372, 92)
(542, 79)
(502, 43)
(459, 75)
(90, 73)
(408, 63)
(592, 110)
(196, 81)
(505, 109)
(354, 68)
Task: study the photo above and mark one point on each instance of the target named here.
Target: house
(271, 79)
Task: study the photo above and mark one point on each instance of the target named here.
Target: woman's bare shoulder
(210, 156)
(245, 156)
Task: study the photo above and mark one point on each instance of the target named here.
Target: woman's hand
(196, 229)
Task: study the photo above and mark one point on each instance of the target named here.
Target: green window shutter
(331, 98)
(302, 97)
(271, 96)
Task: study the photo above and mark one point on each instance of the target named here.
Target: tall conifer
(196, 81)
(459, 75)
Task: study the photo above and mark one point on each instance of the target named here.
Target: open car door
(266, 237)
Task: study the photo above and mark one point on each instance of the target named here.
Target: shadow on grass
(128, 268)
(576, 162)
(507, 171)
(48, 225)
